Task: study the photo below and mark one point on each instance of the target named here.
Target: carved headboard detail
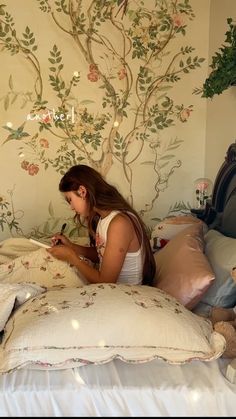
(224, 190)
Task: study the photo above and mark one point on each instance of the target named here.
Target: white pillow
(13, 295)
(39, 267)
(221, 253)
(97, 323)
(169, 227)
(15, 247)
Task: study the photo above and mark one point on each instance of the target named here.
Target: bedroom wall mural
(105, 83)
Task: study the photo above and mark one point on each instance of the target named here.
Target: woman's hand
(63, 252)
(61, 239)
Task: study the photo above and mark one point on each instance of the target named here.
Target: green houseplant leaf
(223, 65)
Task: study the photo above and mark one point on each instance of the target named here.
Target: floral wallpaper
(105, 83)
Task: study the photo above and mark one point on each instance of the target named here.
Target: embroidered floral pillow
(169, 227)
(97, 323)
(39, 267)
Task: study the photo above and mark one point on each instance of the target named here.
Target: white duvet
(12, 296)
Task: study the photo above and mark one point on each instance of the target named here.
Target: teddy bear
(228, 330)
(224, 322)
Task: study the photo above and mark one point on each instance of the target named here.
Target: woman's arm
(119, 236)
(86, 251)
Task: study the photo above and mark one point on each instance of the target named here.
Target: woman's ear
(82, 192)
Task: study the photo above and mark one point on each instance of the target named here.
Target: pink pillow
(182, 269)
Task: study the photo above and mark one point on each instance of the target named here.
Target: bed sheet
(121, 390)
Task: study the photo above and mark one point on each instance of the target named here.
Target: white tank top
(132, 269)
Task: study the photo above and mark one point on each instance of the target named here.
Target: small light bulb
(76, 74)
(21, 155)
(116, 124)
(9, 124)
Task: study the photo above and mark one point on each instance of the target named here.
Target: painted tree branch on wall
(135, 69)
(9, 216)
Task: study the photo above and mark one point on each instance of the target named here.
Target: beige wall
(161, 169)
(157, 149)
(221, 109)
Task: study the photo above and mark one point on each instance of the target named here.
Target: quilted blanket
(14, 295)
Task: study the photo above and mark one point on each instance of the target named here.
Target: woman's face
(77, 202)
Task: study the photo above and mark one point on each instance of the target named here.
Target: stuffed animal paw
(228, 330)
(222, 314)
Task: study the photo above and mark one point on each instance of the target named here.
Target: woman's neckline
(104, 214)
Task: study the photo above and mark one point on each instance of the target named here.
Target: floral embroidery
(61, 328)
(100, 246)
(38, 267)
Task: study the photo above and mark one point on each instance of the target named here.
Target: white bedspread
(117, 389)
(12, 296)
(120, 389)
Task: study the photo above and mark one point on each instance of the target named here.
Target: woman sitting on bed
(122, 246)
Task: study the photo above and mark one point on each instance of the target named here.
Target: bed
(163, 359)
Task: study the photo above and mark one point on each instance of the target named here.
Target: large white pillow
(97, 323)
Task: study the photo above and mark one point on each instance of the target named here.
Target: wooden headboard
(221, 209)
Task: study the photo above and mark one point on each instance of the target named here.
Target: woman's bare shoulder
(121, 221)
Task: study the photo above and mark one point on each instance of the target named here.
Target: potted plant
(223, 74)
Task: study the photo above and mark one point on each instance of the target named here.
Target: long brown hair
(104, 196)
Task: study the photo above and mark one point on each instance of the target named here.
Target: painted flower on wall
(178, 19)
(44, 142)
(185, 114)
(31, 168)
(122, 73)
